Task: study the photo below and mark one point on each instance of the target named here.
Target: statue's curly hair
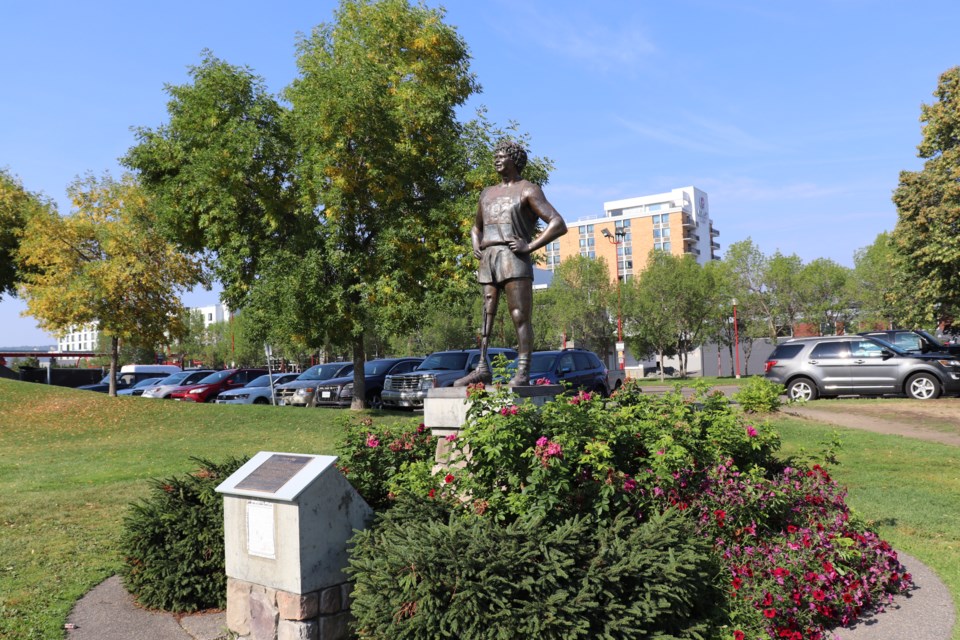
(513, 149)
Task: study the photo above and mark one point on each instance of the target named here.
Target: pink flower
(509, 411)
(553, 449)
(629, 485)
(372, 441)
(542, 381)
(542, 442)
(752, 432)
(451, 437)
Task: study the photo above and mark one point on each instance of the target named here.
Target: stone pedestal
(445, 412)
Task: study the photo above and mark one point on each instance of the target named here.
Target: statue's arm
(555, 226)
(476, 233)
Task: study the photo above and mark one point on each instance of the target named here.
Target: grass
(71, 462)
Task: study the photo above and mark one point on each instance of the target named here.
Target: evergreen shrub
(172, 541)
(425, 572)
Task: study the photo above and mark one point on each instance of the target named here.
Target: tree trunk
(114, 359)
(359, 382)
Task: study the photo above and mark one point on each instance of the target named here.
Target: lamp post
(736, 338)
(616, 239)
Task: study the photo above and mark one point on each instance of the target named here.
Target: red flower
(739, 635)
(819, 595)
(769, 613)
(448, 478)
(737, 583)
(432, 493)
(767, 599)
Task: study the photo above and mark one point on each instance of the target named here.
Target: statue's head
(515, 152)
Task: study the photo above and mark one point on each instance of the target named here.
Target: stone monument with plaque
(287, 520)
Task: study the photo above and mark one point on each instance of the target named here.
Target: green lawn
(71, 461)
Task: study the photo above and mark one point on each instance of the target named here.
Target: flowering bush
(795, 563)
(372, 457)
(759, 395)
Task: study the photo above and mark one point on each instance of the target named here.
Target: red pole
(736, 338)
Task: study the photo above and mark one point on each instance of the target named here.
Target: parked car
(338, 392)
(916, 341)
(130, 374)
(257, 391)
(579, 368)
(859, 365)
(174, 380)
(440, 369)
(653, 370)
(302, 392)
(206, 389)
(140, 387)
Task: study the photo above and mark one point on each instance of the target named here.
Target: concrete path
(108, 612)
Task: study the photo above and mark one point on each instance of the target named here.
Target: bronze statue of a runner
(503, 239)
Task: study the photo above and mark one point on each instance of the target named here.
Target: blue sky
(795, 118)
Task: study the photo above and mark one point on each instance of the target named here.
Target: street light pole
(736, 338)
(616, 240)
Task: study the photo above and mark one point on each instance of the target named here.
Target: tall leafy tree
(927, 234)
(16, 207)
(105, 263)
(373, 117)
(827, 295)
(746, 270)
(220, 173)
(874, 277)
(580, 298)
(668, 306)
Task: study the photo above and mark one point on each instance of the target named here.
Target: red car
(206, 389)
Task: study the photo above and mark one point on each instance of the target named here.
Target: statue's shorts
(499, 264)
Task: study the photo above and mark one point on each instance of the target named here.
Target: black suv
(918, 341)
(338, 392)
(579, 368)
(859, 365)
(440, 369)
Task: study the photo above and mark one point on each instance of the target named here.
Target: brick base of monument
(255, 612)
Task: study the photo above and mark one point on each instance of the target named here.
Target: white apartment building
(85, 338)
(677, 222)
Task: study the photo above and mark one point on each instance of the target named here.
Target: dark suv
(859, 365)
(440, 369)
(918, 341)
(579, 368)
(338, 392)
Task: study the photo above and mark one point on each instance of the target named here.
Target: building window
(586, 230)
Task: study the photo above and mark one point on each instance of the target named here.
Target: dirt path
(908, 424)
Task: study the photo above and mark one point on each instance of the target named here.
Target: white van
(153, 369)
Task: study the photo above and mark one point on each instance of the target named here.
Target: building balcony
(688, 222)
(713, 232)
(691, 251)
(690, 236)
(714, 245)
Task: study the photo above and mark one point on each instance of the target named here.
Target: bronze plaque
(275, 472)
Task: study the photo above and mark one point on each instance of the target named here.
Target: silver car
(174, 380)
(859, 365)
(257, 391)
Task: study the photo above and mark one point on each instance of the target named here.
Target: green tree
(105, 263)
(927, 233)
(579, 300)
(16, 206)
(827, 295)
(875, 277)
(374, 121)
(220, 173)
(668, 305)
(783, 279)
(746, 271)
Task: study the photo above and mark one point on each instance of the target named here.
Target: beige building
(677, 221)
